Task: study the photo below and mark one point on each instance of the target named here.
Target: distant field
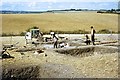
(17, 23)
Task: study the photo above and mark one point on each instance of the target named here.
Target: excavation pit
(85, 51)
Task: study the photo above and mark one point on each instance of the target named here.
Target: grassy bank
(103, 31)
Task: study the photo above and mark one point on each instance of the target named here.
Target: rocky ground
(56, 65)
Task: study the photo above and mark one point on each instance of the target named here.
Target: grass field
(17, 23)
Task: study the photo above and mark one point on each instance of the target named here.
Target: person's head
(91, 27)
(86, 35)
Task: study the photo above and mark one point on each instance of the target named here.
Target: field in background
(18, 23)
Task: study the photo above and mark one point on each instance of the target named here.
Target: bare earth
(61, 66)
(56, 65)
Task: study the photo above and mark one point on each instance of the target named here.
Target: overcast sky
(43, 5)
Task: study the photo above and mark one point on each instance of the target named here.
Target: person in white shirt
(92, 35)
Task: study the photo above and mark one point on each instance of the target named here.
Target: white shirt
(54, 39)
(92, 31)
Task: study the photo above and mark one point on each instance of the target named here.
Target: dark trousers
(87, 42)
(93, 39)
(55, 44)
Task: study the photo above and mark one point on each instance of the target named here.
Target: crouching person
(87, 40)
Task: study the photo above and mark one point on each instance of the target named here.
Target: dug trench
(85, 51)
(64, 63)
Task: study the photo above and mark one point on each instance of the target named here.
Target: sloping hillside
(17, 23)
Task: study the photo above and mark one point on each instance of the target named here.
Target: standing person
(92, 35)
(55, 39)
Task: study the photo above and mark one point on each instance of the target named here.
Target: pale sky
(43, 5)
(60, 0)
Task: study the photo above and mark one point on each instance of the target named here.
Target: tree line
(115, 11)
